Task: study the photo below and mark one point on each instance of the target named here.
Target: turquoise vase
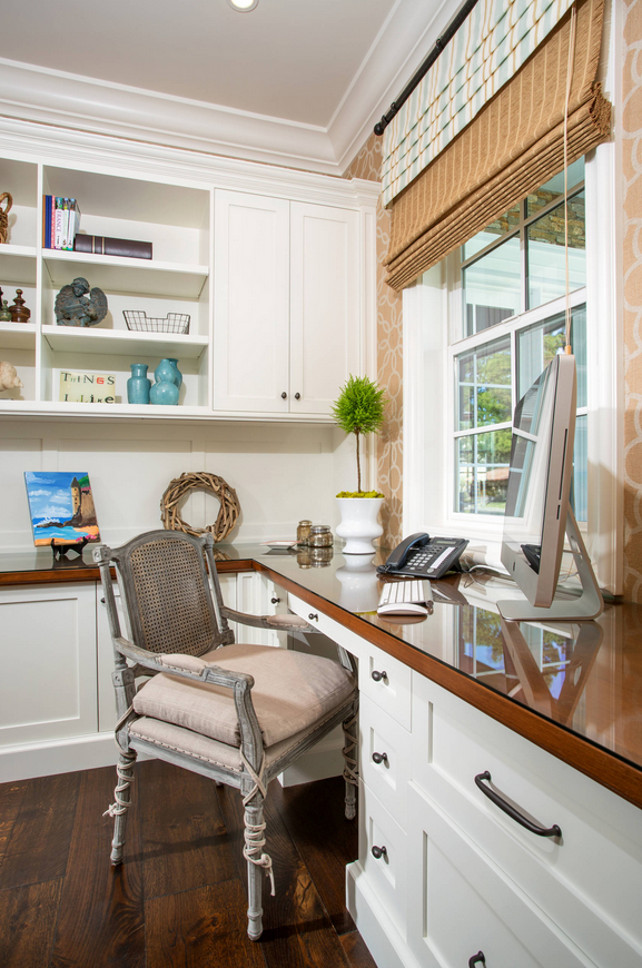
(168, 369)
(138, 385)
(165, 391)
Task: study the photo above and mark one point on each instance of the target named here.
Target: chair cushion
(291, 692)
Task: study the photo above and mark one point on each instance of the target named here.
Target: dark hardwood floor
(179, 899)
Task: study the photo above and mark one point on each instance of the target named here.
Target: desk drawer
(589, 880)
(385, 758)
(382, 853)
(387, 682)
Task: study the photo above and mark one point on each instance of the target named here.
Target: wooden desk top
(575, 690)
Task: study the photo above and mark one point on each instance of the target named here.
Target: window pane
(501, 226)
(484, 386)
(482, 472)
(491, 287)
(537, 345)
(546, 257)
(554, 188)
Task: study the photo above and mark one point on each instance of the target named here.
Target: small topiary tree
(358, 410)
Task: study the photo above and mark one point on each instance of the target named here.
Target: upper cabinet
(276, 281)
(287, 304)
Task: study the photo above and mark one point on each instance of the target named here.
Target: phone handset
(398, 557)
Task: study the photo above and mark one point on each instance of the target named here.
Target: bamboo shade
(513, 145)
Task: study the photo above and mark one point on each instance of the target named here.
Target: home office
(214, 221)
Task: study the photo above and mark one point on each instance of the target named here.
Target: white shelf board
(134, 276)
(18, 336)
(121, 342)
(17, 266)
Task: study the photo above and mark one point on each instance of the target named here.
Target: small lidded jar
(320, 536)
(303, 532)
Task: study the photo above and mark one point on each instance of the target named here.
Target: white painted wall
(281, 472)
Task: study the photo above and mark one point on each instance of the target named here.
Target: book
(102, 245)
(82, 387)
(60, 221)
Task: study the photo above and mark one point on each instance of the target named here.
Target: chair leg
(122, 800)
(350, 756)
(258, 863)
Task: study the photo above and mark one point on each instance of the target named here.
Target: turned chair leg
(122, 800)
(350, 756)
(258, 864)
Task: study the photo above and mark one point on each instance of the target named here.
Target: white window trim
(429, 404)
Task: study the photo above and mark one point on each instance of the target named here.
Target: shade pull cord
(569, 78)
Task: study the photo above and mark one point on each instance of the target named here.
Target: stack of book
(60, 220)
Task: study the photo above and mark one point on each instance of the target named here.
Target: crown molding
(68, 101)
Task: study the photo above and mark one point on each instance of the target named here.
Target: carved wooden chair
(188, 694)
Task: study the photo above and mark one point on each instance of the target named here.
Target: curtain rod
(440, 43)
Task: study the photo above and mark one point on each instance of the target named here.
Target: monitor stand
(566, 606)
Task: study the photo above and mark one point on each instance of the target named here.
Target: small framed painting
(62, 509)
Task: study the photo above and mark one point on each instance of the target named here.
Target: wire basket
(172, 323)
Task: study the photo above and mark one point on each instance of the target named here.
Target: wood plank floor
(179, 899)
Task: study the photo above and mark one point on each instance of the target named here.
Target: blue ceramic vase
(168, 369)
(138, 385)
(165, 391)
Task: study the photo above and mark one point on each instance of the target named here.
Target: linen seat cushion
(292, 691)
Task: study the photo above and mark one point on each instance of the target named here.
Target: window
(478, 328)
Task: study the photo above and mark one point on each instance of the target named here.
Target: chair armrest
(284, 623)
(185, 666)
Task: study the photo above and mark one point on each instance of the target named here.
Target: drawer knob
(275, 601)
(483, 778)
(313, 617)
(378, 676)
(380, 758)
(297, 396)
(477, 959)
(284, 395)
(379, 852)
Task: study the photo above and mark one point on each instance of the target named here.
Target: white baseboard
(323, 761)
(380, 934)
(61, 756)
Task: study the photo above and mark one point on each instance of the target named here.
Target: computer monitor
(538, 512)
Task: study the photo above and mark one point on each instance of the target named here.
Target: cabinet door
(48, 660)
(325, 325)
(251, 303)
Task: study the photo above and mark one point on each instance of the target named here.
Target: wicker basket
(172, 323)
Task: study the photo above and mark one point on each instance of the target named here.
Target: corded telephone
(420, 555)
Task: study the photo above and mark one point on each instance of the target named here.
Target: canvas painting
(62, 507)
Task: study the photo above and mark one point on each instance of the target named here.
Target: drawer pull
(477, 959)
(483, 778)
(313, 617)
(275, 601)
(378, 676)
(380, 758)
(379, 852)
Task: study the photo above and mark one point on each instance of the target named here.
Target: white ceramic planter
(359, 524)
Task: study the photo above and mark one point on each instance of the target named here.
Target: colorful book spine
(60, 222)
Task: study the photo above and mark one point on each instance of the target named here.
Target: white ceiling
(302, 80)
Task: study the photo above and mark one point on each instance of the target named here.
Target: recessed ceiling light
(243, 6)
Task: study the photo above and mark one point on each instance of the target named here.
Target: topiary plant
(358, 410)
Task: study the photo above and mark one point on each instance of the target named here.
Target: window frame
(428, 391)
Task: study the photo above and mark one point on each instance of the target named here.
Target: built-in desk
(548, 717)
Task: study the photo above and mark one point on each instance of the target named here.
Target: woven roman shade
(513, 145)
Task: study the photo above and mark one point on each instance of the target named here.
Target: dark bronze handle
(313, 617)
(477, 959)
(379, 852)
(483, 778)
(380, 757)
(297, 396)
(378, 676)
(275, 601)
(284, 395)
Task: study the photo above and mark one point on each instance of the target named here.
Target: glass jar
(303, 531)
(320, 536)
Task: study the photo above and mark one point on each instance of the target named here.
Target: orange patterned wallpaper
(389, 358)
(631, 123)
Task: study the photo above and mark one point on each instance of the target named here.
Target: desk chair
(188, 694)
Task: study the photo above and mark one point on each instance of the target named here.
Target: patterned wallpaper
(389, 358)
(631, 126)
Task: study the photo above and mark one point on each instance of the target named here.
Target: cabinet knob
(378, 676)
(313, 617)
(379, 852)
(477, 959)
(380, 758)
(297, 396)
(284, 395)
(275, 601)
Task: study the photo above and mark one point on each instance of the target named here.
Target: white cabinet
(48, 659)
(288, 324)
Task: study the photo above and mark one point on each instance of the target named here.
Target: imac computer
(538, 512)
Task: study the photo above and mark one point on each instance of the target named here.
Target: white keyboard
(410, 597)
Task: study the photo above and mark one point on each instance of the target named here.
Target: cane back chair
(188, 694)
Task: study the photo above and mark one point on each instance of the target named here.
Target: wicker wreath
(200, 481)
